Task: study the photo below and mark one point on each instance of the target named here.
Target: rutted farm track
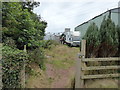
(60, 69)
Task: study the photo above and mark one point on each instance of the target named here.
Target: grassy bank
(60, 68)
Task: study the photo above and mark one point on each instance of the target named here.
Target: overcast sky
(61, 14)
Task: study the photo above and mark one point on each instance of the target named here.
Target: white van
(72, 38)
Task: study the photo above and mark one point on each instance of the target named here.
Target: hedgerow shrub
(9, 42)
(12, 64)
(47, 43)
(20, 26)
(37, 56)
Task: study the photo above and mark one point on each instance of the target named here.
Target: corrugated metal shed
(113, 13)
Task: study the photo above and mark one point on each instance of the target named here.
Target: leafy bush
(12, 64)
(47, 43)
(10, 42)
(20, 26)
(37, 56)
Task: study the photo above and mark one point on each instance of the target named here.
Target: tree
(30, 5)
(22, 25)
(108, 38)
(118, 31)
(91, 37)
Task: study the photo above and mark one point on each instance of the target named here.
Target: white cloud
(76, 0)
(62, 14)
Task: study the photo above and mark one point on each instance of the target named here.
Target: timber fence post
(79, 82)
(77, 76)
(23, 71)
(83, 48)
(81, 72)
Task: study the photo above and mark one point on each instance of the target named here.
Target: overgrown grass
(62, 56)
(62, 63)
(37, 56)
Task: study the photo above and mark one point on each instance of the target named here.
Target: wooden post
(79, 82)
(83, 48)
(83, 53)
(24, 48)
(81, 72)
(23, 72)
(77, 76)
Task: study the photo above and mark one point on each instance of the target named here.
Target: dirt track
(60, 69)
(61, 77)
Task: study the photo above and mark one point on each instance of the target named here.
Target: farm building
(114, 14)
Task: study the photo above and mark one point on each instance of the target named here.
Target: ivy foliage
(12, 64)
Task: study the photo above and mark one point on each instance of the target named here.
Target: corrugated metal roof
(115, 10)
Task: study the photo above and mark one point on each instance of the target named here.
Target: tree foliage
(108, 38)
(20, 26)
(91, 37)
(118, 31)
(20, 23)
(103, 42)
